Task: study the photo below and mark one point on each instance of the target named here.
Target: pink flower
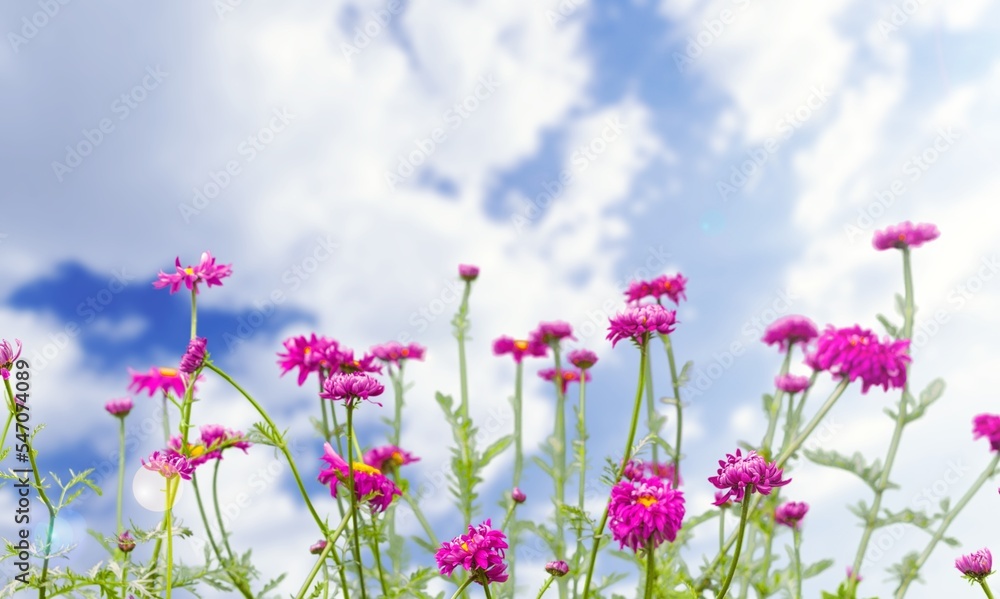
(568, 376)
(637, 469)
(214, 439)
(519, 348)
(852, 576)
(987, 425)
(125, 542)
(317, 547)
(557, 569)
(369, 484)
(119, 407)
(206, 271)
(977, 565)
(639, 322)
(854, 353)
(789, 383)
(169, 464)
(672, 287)
(740, 474)
(8, 355)
(551, 333)
(194, 357)
(789, 330)
(518, 495)
(351, 388)
(388, 457)
(582, 358)
(480, 552)
(395, 352)
(468, 272)
(307, 354)
(645, 512)
(904, 235)
(346, 362)
(791, 513)
(157, 379)
(722, 500)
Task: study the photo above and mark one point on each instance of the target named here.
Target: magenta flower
(852, 576)
(551, 333)
(582, 358)
(988, 426)
(348, 364)
(157, 379)
(518, 495)
(214, 439)
(480, 552)
(645, 512)
(637, 469)
(8, 355)
(904, 235)
(388, 457)
(169, 464)
(119, 407)
(519, 348)
(672, 287)
(854, 353)
(125, 542)
(307, 354)
(977, 565)
(557, 569)
(194, 357)
(791, 513)
(317, 547)
(789, 330)
(722, 500)
(740, 474)
(565, 378)
(351, 388)
(394, 352)
(468, 272)
(639, 322)
(369, 483)
(205, 271)
(790, 383)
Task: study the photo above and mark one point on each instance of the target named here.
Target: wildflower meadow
(636, 532)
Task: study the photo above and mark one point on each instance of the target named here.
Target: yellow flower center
(397, 458)
(307, 350)
(362, 467)
(405, 352)
(189, 271)
(195, 450)
(465, 547)
(168, 371)
(521, 345)
(902, 237)
(647, 500)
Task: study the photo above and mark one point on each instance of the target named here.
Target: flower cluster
(519, 348)
(352, 388)
(551, 333)
(480, 552)
(789, 330)
(663, 285)
(645, 512)
(739, 474)
(564, 377)
(791, 513)
(905, 235)
(214, 439)
(977, 565)
(388, 457)
(206, 271)
(854, 353)
(394, 352)
(323, 355)
(639, 322)
(370, 485)
(637, 469)
(8, 355)
(169, 464)
(988, 426)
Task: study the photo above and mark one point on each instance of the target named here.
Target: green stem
(650, 571)
(237, 582)
(518, 441)
(121, 473)
(10, 418)
(378, 559)
(739, 545)
(486, 590)
(773, 415)
(675, 383)
(168, 525)
(722, 528)
(462, 325)
(462, 587)
(559, 468)
(651, 410)
(945, 523)
(545, 587)
(166, 421)
(330, 540)
(415, 507)
(194, 313)
(218, 512)
(986, 588)
(354, 500)
(797, 542)
(581, 433)
(637, 405)
(398, 390)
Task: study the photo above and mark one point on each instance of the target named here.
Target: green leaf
(685, 375)
(890, 328)
(931, 393)
(495, 449)
(855, 464)
(900, 305)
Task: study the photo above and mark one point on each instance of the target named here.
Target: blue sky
(565, 148)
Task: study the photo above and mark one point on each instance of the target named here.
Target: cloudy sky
(345, 156)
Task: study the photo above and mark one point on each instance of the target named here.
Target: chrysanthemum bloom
(157, 379)
(638, 290)
(351, 388)
(645, 512)
(125, 542)
(672, 287)
(552, 333)
(205, 271)
(468, 272)
(388, 457)
(904, 235)
(639, 322)
(518, 495)
(854, 353)
(566, 377)
(519, 348)
(394, 352)
(557, 568)
(369, 483)
(169, 464)
(317, 547)
(790, 383)
(119, 407)
(789, 330)
(740, 474)
(977, 565)
(987, 425)
(194, 357)
(582, 358)
(307, 354)
(8, 355)
(214, 439)
(348, 364)
(480, 552)
(791, 513)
